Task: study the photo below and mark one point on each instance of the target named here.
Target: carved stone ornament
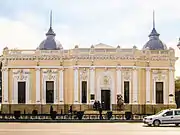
(106, 80)
(83, 75)
(50, 71)
(127, 75)
(21, 71)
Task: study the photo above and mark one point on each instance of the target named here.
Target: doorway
(49, 91)
(159, 92)
(105, 99)
(21, 92)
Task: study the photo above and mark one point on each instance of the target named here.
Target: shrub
(34, 112)
(17, 114)
(109, 115)
(80, 114)
(53, 115)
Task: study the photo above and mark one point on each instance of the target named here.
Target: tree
(177, 92)
(177, 84)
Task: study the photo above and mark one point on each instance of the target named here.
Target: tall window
(159, 92)
(21, 92)
(126, 91)
(84, 92)
(49, 91)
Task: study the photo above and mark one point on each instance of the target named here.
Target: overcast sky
(23, 23)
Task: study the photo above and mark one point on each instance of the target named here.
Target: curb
(71, 121)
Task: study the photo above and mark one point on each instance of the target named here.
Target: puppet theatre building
(50, 75)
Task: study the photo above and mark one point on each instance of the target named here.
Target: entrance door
(21, 92)
(159, 92)
(105, 99)
(49, 91)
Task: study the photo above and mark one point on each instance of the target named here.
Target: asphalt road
(85, 129)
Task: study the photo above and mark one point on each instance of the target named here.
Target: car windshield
(159, 112)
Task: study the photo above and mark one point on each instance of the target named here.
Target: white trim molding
(84, 76)
(171, 87)
(5, 90)
(21, 75)
(38, 83)
(135, 87)
(119, 81)
(127, 76)
(76, 91)
(160, 76)
(148, 86)
(92, 83)
(50, 75)
(105, 81)
(61, 86)
(81, 66)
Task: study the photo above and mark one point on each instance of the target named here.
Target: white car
(169, 116)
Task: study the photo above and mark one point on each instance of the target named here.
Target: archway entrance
(105, 99)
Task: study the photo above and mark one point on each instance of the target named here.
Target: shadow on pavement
(163, 126)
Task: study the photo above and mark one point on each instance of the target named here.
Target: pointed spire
(51, 18)
(153, 19)
(154, 32)
(50, 31)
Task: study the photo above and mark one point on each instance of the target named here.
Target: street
(85, 129)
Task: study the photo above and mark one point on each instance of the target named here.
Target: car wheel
(156, 123)
(177, 124)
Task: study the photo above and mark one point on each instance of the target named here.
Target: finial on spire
(153, 19)
(50, 31)
(154, 32)
(51, 18)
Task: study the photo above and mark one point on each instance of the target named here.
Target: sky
(23, 23)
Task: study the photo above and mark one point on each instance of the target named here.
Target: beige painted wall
(69, 72)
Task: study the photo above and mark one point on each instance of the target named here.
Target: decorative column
(55, 79)
(15, 89)
(171, 86)
(61, 86)
(119, 81)
(135, 87)
(5, 86)
(76, 80)
(28, 101)
(148, 85)
(38, 83)
(92, 84)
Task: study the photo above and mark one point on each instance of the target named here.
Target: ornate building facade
(50, 75)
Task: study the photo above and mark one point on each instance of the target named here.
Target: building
(50, 75)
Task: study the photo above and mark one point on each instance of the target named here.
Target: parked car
(169, 116)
